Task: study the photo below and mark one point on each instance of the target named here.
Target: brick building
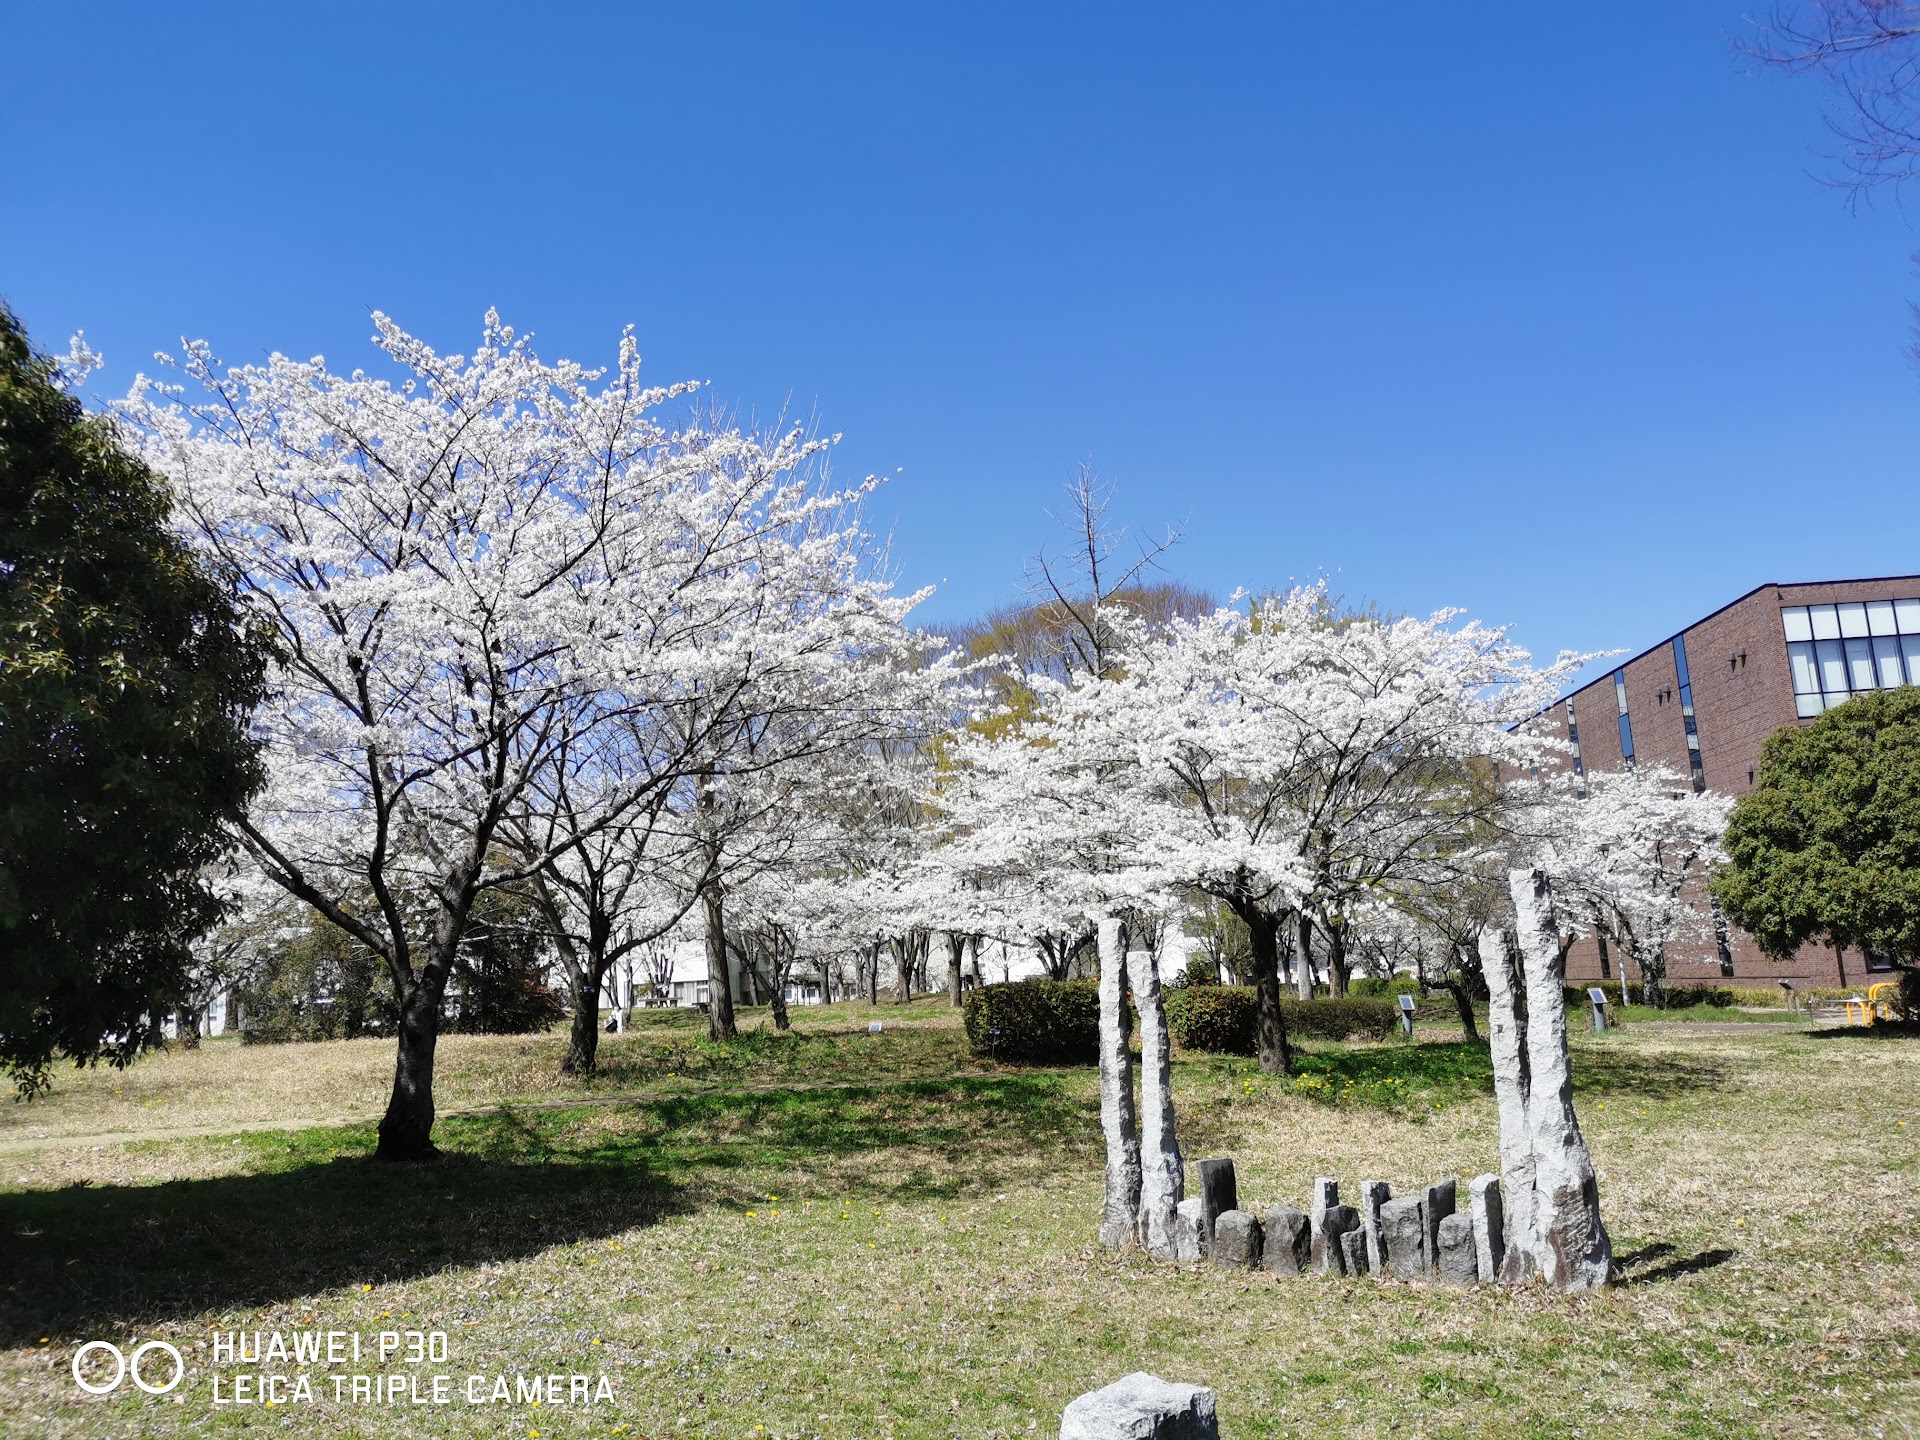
(1703, 701)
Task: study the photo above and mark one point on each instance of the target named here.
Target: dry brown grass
(930, 1273)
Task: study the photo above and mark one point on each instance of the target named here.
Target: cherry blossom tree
(1654, 841)
(474, 568)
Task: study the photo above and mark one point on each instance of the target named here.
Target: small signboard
(1599, 999)
(1406, 1014)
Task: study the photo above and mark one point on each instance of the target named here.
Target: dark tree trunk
(1461, 989)
(903, 947)
(406, 1131)
(782, 968)
(956, 947)
(720, 1022)
(873, 973)
(583, 1041)
(1269, 1024)
(1338, 971)
(1303, 962)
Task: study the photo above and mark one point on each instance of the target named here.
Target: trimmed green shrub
(1047, 1022)
(1200, 971)
(1221, 1018)
(1368, 987)
(1341, 1018)
(1212, 1017)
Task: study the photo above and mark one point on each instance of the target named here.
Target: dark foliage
(500, 982)
(1826, 846)
(1047, 1022)
(127, 672)
(1220, 1018)
(322, 986)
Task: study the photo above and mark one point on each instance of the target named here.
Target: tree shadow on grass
(1661, 1075)
(1880, 1030)
(311, 1213)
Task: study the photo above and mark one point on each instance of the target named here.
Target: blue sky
(1534, 310)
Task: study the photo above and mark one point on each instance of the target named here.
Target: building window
(1573, 743)
(1686, 713)
(1838, 651)
(1626, 725)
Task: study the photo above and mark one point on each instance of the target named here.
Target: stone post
(1119, 1213)
(1189, 1228)
(1454, 1262)
(1288, 1241)
(1512, 1084)
(1373, 1194)
(1489, 1226)
(1219, 1193)
(1571, 1250)
(1439, 1203)
(1339, 1222)
(1326, 1195)
(1236, 1240)
(1403, 1234)
(1353, 1252)
(1162, 1176)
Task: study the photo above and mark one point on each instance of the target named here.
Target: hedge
(1221, 1018)
(1371, 987)
(1048, 1022)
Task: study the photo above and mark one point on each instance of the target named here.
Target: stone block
(1338, 1221)
(1236, 1240)
(1403, 1235)
(1142, 1407)
(1489, 1226)
(1455, 1262)
(1373, 1194)
(1440, 1204)
(1189, 1238)
(1219, 1192)
(1353, 1252)
(1288, 1241)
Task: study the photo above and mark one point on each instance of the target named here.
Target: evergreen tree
(126, 678)
(1827, 844)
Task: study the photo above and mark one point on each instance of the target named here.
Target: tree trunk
(1120, 1212)
(953, 949)
(406, 1131)
(1162, 1177)
(1338, 971)
(583, 1039)
(1653, 980)
(873, 973)
(1303, 962)
(1564, 1237)
(780, 959)
(1463, 1003)
(1269, 1024)
(720, 1023)
(906, 950)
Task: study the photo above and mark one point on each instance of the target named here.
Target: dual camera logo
(124, 1367)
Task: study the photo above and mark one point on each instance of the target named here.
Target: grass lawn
(843, 1234)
